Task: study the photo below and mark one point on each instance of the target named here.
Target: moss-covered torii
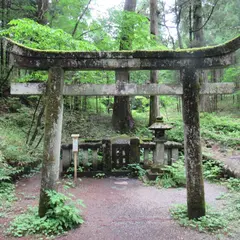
(188, 60)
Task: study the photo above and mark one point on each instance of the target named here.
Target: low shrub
(63, 215)
(212, 222)
(212, 170)
(136, 170)
(173, 176)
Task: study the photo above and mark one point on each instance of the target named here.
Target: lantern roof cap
(160, 125)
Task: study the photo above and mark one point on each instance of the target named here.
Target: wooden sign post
(75, 154)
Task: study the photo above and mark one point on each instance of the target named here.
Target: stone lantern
(159, 128)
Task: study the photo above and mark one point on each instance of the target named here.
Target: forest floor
(119, 209)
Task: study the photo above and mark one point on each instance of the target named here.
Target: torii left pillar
(52, 136)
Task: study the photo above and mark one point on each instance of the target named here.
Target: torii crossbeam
(188, 60)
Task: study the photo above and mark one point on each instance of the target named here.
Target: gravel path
(122, 209)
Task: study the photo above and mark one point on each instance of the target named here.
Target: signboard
(75, 145)
(75, 142)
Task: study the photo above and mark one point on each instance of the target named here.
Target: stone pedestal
(158, 154)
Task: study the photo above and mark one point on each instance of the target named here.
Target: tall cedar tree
(154, 100)
(122, 119)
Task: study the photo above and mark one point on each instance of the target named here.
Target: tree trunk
(154, 100)
(178, 12)
(52, 136)
(198, 41)
(122, 119)
(2, 57)
(42, 9)
(215, 77)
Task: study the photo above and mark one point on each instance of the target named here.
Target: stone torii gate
(188, 60)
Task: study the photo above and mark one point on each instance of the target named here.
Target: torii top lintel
(206, 57)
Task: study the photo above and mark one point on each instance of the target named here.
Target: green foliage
(212, 170)
(62, 16)
(224, 221)
(176, 133)
(232, 74)
(233, 184)
(34, 35)
(136, 170)
(62, 215)
(71, 169)
(218, 31)
(220, 123)
(212, 222)
(140, 104)
(134, 29)
(6, 170)
(100, 175)
(7, 195)
(222, 129)
(39, 76)
(173, 176)
(15, 156)
(91, 125)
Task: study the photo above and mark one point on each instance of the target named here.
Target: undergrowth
(212, 222)
(136, 170)
(15, 156)
(7, 196)
(225, 220)
(62, 215)
(173, 176)
(213, 170)
(222, 129)
(233, 184)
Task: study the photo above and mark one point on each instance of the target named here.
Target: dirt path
(121, 209)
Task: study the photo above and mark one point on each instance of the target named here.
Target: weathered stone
(210, 57)
(66, 158)
(85, 158)
(171, 144)
(52, 136)
(158, 153)
(126, 89)
(107, 160)
(95, 160)
(134, 150)
(192, 144)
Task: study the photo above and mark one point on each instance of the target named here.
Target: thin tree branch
(178, 13)
(92, 30)
(80, 17)
(165, 25)
(33, 118)
(143, 8)
(8, 74)
(207, 18)
(39, 141)
(37, 126)
(190, 22)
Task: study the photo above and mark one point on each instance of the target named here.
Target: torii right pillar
(192, 143)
